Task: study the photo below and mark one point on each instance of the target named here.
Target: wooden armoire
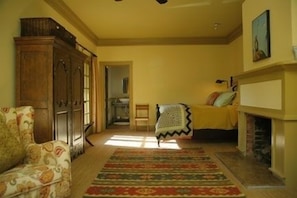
(49, 77)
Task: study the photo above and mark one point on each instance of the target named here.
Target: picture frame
(261, 36)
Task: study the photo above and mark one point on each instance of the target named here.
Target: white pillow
(224, 99)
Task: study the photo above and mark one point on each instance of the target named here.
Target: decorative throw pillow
(236, 99)
(224, 99)
(212, 97)
(12, 151)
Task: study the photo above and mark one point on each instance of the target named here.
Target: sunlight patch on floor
(140, 142)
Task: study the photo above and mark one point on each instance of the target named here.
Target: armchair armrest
(49, 153)
(56, 153)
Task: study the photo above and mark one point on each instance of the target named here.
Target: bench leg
(89, 141)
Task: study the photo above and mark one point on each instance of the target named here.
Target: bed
(215, 120)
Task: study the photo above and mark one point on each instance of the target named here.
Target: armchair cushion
(29, 177)
(12, 151)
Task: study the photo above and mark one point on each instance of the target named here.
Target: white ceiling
(110, 21)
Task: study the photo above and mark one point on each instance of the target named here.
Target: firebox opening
(262, 141)
(259, 138)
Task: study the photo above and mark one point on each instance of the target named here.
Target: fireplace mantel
(280, 66)
(270, 92)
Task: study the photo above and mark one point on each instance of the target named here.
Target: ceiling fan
(161, 1)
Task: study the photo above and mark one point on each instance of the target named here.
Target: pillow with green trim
(12, 151)
(224, 99)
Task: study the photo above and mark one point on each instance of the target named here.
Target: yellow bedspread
(211, 117)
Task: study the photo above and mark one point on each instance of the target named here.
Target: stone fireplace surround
(270, 92)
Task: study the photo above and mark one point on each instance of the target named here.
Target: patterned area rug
(161, 173)
(250, 172)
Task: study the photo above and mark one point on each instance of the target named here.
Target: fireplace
(267, 96)
(258, 138)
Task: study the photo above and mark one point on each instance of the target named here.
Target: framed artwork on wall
(261, 36)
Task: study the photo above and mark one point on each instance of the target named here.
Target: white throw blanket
(175, 120)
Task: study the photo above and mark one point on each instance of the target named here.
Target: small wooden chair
(142, 114)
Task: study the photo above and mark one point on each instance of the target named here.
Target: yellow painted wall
(235, 57)
(281, 30)
(176, 73)
(182, 73)
(294, 21)
(10, 13)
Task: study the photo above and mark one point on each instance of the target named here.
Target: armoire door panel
(62, 126)
(77, 101)
(61, 80)
(77, 81)
(77, 127)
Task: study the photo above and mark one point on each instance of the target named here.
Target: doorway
(117, 94)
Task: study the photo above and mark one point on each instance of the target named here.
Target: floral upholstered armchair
(28, 169)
